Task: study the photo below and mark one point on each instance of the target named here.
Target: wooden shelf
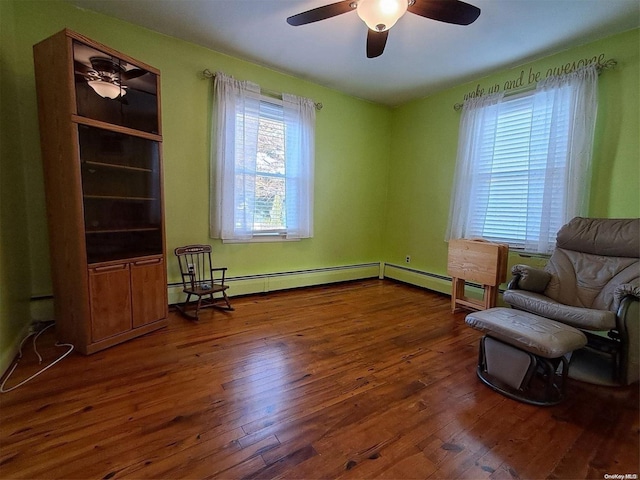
(120, 198)
(116, 128)
(117, 166)
(122, 230)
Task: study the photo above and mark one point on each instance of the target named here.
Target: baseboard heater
(412, 276)
(268, 282)
(257, 276)
(42, 305)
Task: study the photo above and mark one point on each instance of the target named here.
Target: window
(262, 170)
(524, 163)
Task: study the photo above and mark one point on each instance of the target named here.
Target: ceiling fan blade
(449, 11)
(133, 73)
(376, 42)
(321, 13)
(81, 68)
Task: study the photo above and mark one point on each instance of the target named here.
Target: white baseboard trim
(8, 355)
(419, 278)
(428, 280)
(269, 282)
(42, 307)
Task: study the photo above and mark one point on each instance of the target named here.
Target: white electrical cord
(35, 349)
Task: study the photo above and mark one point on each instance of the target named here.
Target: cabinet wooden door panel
(148, 288)
(110, 301)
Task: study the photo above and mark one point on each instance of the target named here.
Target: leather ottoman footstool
(524, 356)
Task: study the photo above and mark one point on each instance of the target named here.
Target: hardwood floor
(370, 379)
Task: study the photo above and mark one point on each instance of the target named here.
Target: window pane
(270, 147)
(269, 203)
(270, 208)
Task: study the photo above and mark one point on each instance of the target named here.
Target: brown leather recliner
(591, 282)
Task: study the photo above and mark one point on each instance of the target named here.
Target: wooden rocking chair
(199, 280)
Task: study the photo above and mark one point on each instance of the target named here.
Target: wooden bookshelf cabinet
(102, 161)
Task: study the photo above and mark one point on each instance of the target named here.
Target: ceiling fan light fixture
(106, 89)
(381, 15)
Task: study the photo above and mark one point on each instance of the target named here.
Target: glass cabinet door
(121, 194)
(114, 91)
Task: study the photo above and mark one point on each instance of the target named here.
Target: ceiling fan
(107, 76)
(381, 15)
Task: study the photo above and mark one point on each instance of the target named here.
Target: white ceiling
(422, 56)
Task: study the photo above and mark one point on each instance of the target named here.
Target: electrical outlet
(407, 259)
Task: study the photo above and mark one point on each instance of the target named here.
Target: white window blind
(523, 166)
(514, 170)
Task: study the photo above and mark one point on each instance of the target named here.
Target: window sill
(523, 254)
(265, 238)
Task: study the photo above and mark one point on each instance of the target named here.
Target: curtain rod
(206, 73)
(606, 65)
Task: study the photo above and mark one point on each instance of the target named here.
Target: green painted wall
(351, 156)
(383, 177)
(424, 145)
(350, 159)
(15, 282)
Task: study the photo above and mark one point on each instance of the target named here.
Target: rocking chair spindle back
(200, 279)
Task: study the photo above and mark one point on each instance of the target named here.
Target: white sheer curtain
(299, 120)
(477, 127)
(575, 97)
(524, 162)
(233, 166)
(236, 123)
